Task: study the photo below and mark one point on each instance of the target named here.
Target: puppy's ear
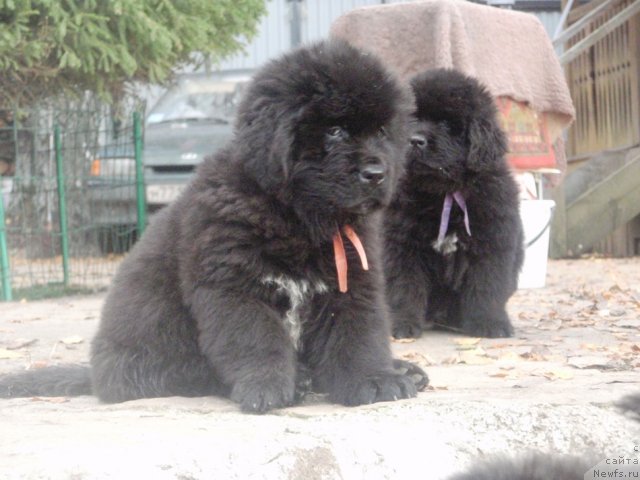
(270, 161)
(280, 154)
(487, 144)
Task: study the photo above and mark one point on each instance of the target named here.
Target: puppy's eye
(336, 132)
(382, 132)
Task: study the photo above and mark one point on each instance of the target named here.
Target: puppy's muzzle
(372, 174)
(418, 140)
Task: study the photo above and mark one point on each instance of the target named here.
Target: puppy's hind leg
(122, 373)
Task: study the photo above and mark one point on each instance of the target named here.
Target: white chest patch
(449, 244)
(298, 292)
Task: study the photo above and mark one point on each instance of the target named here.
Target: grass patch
(49, 290)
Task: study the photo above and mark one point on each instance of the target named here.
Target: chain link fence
(71, 203)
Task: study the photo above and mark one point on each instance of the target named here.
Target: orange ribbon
(341, 256)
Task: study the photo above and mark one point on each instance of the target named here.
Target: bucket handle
(544, 229)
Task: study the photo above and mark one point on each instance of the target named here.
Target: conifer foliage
(49, 47)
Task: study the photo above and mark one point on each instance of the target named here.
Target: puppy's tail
(58, 381)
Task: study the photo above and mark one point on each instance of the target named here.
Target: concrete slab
(550, 388)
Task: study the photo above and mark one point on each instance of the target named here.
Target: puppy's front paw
(414, 372)
(382, 387)
(406, 330)
(488, 328)
(260, 396)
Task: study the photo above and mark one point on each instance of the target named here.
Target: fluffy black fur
(456, 145)
(208, 301)
(531, 467)
(631, 405)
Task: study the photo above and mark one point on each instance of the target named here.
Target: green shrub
(49, 47)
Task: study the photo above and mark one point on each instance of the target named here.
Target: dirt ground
(550, 388)
(583, 326)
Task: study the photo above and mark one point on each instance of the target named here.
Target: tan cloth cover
(508, 51)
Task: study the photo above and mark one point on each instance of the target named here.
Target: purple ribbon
(446, 213)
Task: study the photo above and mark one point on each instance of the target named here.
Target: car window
(198, 100)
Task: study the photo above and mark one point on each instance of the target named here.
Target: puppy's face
(323, 129)
(455, 134)
(344, 166)
(437, 155)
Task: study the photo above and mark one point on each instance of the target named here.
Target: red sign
(528, 134)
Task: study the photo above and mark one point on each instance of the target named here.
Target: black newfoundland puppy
(454, 241)
(534, 466)
(266, 271)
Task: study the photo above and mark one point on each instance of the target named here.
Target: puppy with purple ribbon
(454, 241)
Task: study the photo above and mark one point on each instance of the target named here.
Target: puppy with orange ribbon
(264, 279)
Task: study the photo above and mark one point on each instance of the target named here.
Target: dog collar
(446, 213)
(341, 257)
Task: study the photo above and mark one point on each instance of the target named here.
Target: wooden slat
(604, 30)
(582, 10)
(566, 34)
(634, 80)
(604, 85)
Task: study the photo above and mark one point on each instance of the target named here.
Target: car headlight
(113, 167)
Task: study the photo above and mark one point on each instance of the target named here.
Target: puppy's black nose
(418, 140)
(372, 173)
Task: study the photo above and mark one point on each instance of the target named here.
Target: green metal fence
(72, 202)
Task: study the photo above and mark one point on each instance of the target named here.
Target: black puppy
(534, 466)
(269, 263)
(454, 241)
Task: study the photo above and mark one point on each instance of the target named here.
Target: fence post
(5, 273)
(140, 196)
(62, 204)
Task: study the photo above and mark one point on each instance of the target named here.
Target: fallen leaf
(544, 324)
(72, 340)
(418, 358)
(453, 360)
(6, 354)
(434, 388)
(475, 357)
(39, 364)
(21, 343)
(620, 335)
(628, 323)
(50, 399)
(510, 357)
(589, 361)
(466, 342)
(558, 375)
(534, 357)
(515, 343)
(403, 340)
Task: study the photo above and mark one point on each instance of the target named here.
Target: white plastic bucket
(536, 219)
